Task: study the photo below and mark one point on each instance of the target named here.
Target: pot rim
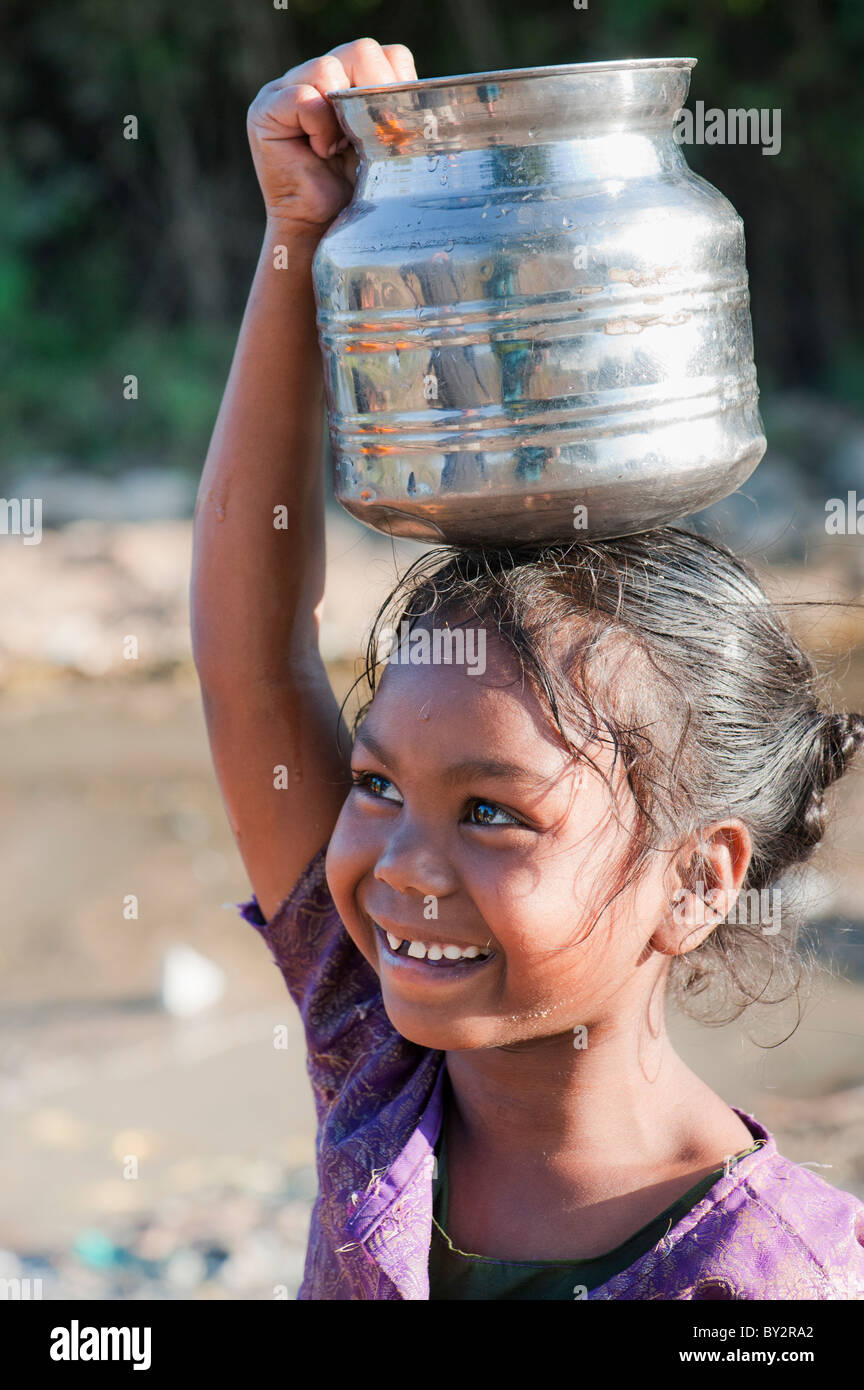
(610, 65)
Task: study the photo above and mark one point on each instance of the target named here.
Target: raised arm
(257, 586)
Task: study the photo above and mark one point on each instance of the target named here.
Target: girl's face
(470, 826)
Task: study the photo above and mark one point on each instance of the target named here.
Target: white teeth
(434, 951)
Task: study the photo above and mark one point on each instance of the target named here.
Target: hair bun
(842, 738)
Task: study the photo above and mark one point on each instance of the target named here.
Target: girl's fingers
(401, 61)
(316, 118)
(367, 64)
(295, 103)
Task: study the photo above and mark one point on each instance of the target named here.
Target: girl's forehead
(446, 713)
(478, 682)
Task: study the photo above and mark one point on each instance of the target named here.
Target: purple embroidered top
(770, 1230)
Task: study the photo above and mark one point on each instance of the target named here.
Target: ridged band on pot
(534, 317)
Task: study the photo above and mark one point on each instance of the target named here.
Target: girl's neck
(618, 1097)
(551, 1158)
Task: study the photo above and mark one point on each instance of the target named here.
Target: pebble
(222, 1244)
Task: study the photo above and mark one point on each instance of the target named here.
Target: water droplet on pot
(443, 178)
(449, 244)
(431, 162)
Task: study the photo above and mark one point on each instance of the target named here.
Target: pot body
(534, 317)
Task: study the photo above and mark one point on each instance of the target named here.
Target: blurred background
(155, 1143)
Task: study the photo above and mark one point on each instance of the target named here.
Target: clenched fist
(305, 165)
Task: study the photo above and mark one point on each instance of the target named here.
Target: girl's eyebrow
(459, 772)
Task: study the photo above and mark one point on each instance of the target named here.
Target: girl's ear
(704, 883)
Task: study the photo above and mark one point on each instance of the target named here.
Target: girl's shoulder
(332, 983)
(801, 1227)
(769, 1229)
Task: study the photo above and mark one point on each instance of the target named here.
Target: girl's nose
(409, 863)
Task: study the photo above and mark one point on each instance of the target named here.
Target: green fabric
(457, 1275)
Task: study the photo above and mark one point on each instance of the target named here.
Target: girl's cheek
(537, 902)
(345, 862)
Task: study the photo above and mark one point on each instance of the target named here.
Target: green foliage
(121, 256)
(67, 406)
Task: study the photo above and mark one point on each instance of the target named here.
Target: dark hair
(665, 644)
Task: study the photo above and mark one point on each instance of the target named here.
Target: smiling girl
(481, 910)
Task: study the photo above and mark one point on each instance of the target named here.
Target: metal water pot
(534, 317)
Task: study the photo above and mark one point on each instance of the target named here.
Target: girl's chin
(436, 1033)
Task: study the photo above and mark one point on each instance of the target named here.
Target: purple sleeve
(329, 979)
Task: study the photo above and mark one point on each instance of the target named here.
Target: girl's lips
(427, 969)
